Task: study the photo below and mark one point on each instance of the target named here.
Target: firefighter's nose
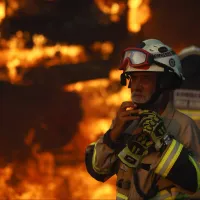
(138, 84)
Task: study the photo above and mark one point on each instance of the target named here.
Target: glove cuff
(130, 159)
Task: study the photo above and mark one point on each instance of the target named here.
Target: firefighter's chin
(140, 99)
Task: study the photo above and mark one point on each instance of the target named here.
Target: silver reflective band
(136, 57)
(169, 158)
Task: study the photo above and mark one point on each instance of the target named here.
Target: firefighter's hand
(126, 113)
(152, 124)
(138, 147)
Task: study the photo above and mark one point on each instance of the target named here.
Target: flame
(41, 176)
(15, 54)
(12, 7)
(138, 14)
(111, 8)
(101, 96)
(2, 11)
(105, 49)
(100, 99)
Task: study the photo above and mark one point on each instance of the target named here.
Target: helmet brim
(152, 68)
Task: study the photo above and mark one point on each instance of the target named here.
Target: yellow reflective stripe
(169, 158)
(173, 160)
(96, 169)
(121, 196)
(197, 167)
(93, 143)
(164, 158)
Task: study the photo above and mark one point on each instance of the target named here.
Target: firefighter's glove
(135, 150)
(152, 124)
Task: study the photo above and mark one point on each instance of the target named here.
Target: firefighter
(152, 148)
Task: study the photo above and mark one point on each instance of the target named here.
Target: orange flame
(12, 6)
(41, 177)
(2, 11)
(111, 8)
(14, 54)
(138, 14)
(102, 97)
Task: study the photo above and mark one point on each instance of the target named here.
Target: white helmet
(152, 55)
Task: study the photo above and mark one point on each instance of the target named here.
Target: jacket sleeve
(180, 162)
(101, 158)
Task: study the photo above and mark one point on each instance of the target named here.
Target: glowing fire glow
(102, 99)
(138, 14)
(40, 177)
(111, 8)
(14, 54)
(2, 11)
(12, 6)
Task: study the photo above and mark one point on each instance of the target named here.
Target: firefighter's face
(143, 85)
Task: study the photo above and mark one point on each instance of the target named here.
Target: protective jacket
(172, 174)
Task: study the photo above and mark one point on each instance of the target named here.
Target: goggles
(141, 59)
(136, 58)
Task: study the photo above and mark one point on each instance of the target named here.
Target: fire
(42, 177)
(105, 49)
(2, 11)
(63, 175)
(15, 54)
(138, 14)
(100, 99)
(112, 8)
(12, 6)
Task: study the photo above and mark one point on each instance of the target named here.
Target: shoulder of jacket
(183, 117)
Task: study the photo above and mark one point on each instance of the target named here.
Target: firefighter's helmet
(153, 56)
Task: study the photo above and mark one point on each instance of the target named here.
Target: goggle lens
(136, 57)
